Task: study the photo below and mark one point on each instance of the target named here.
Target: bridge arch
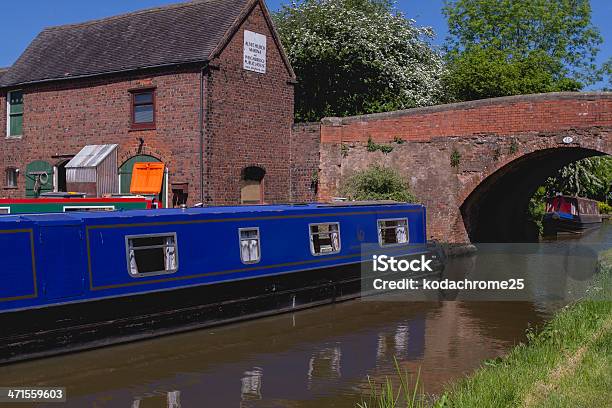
(496, 210)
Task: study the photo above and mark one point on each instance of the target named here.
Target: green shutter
(16, 126)
(16, 101)
(32, 171)
(15, 113)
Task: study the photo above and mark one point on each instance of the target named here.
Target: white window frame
(240, 239)
(128, 250)
(8, 115)
(6, 208)
(6, 174)
(379, 229)
(310, 236)
(88, 207)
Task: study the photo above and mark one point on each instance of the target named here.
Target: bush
(604, 208)
(376, 183)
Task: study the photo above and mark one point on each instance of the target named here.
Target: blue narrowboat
(72, 281)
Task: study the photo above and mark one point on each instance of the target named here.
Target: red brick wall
(62, 117)
(492, 137)
(248, 122)
(501, 116)
(249, 117)
(305, 144)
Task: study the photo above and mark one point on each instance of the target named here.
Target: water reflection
(318, 357)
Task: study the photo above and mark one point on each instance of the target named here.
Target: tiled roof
(175, 34)
(3, 71)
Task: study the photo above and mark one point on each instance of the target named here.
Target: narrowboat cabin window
(325, 238)
(152, 254)
(70, 208)
(393, 232)
(249, 245)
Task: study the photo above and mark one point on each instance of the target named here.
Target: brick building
(203, 86)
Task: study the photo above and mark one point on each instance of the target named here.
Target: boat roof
(77, 216)
(571, 198)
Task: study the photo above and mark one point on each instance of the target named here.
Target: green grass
(541, 372)
(591, 383)
(385, 395)
(566, 364)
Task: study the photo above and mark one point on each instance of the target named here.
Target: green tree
(606, 74)
(507, 47)
(357, 56)
(590, 177)
(487, 73)
(376, 183)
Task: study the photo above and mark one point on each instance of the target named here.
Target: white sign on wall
(254, 52)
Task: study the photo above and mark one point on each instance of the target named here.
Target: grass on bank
(385, 395)
(566, 364)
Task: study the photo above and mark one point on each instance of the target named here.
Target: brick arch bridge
(474, 164)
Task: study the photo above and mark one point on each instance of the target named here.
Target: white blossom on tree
(358, 56)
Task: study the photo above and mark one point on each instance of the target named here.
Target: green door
(39, 178)
(125, 174)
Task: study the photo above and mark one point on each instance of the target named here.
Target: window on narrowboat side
(325, 238)
(250, 250)
(393, 231)
(70, 208)
(152, 254)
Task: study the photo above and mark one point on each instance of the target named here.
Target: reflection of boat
(567, 214)
(81, 280)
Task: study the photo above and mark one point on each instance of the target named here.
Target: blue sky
(28, 17)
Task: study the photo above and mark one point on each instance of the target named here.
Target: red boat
(570, 215)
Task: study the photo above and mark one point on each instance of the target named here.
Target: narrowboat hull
(77, 326)
(555, 223)
(91, 279)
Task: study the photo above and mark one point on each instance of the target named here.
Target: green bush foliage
(604, 208)
(376, 183)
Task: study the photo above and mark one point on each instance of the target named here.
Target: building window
(11, 177)
(393, 231)
(249, 245)
(153, 254)
(14, 126)
(143, 109)
(324, 238)
(251, 189)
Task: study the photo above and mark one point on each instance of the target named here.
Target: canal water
(320, 357)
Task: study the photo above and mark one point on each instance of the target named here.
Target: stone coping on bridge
(332, 120)
(496, 116)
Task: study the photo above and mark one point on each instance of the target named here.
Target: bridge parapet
(496, 116)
